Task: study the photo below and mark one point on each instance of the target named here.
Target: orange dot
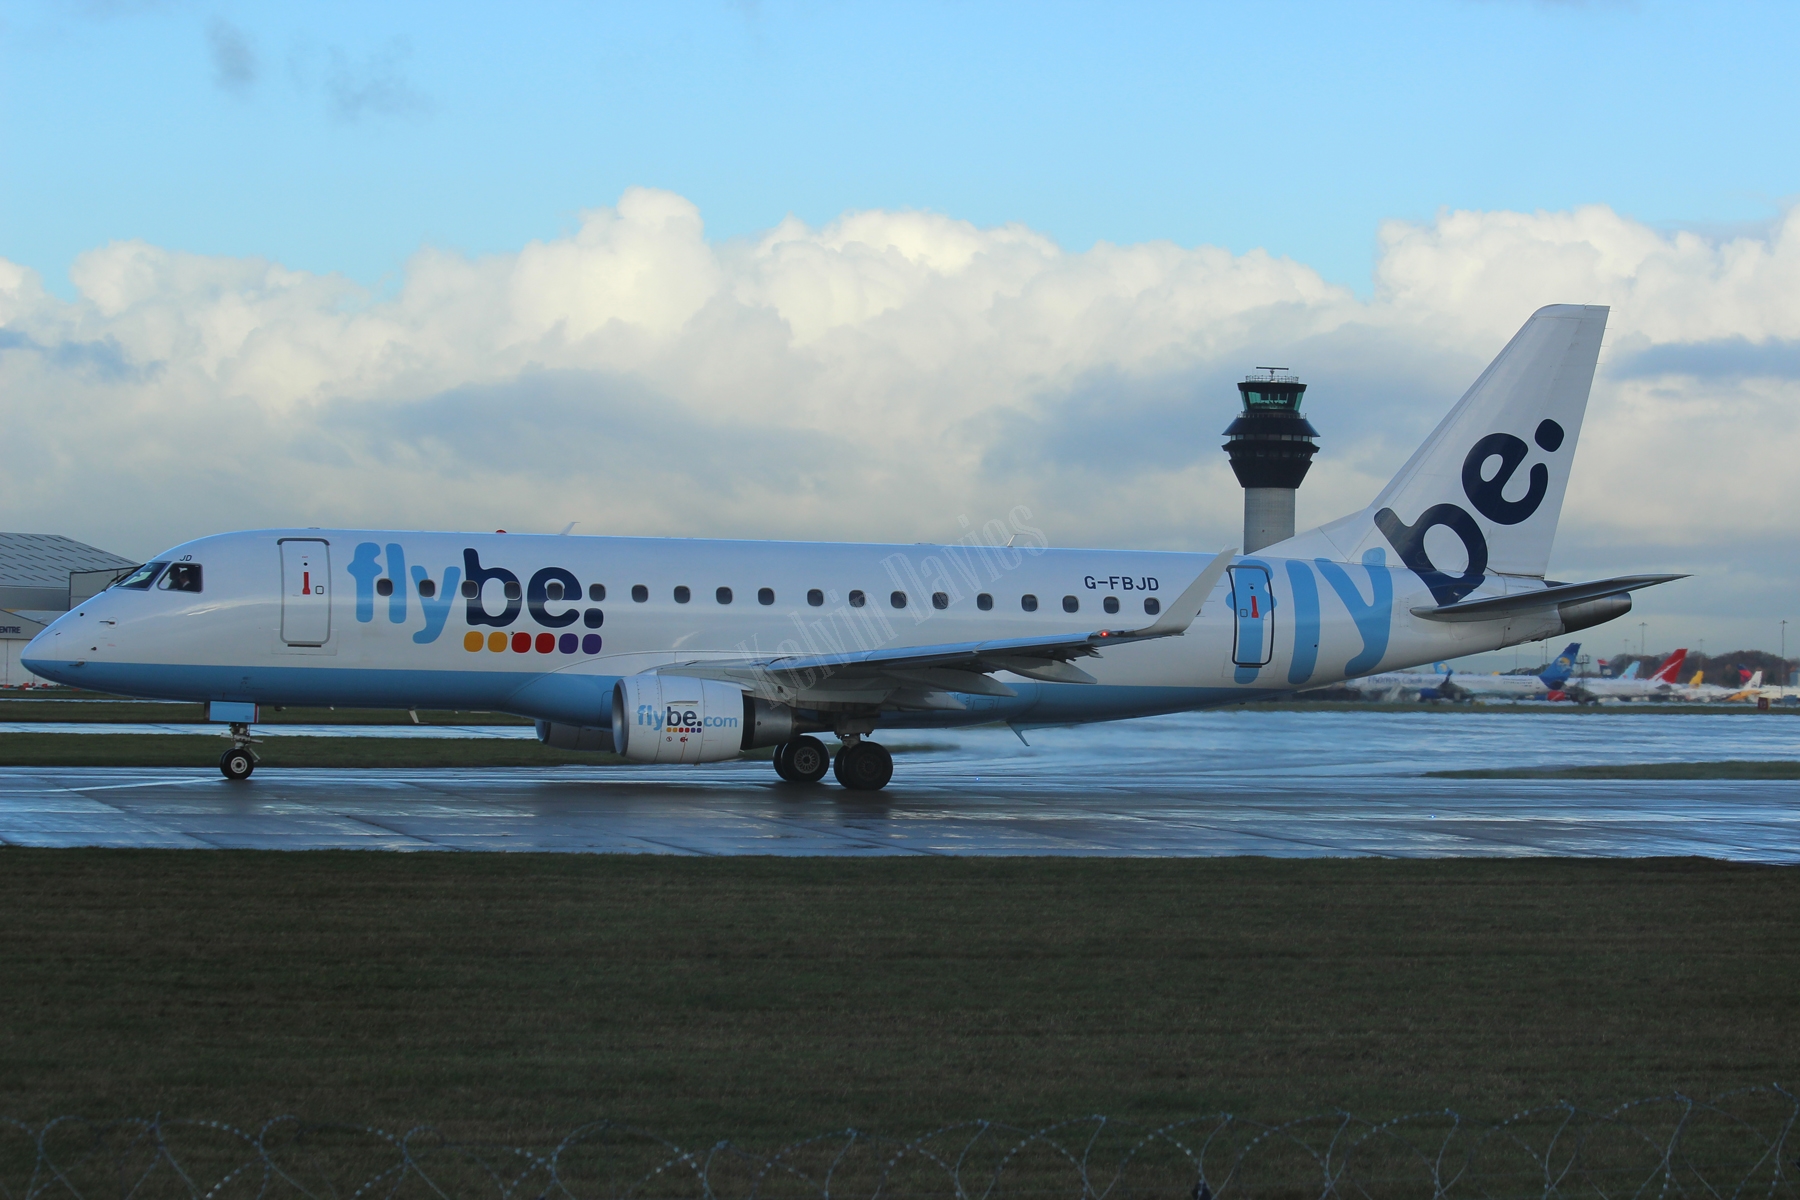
(496, 641)
(472, 641)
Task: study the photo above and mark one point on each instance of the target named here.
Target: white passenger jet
(691, 651)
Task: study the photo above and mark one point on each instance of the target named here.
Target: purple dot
(590, 644)
(567, 644)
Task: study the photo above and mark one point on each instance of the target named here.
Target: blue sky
(533, 265)
(341, 137)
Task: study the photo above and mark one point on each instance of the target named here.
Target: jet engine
(674, 719)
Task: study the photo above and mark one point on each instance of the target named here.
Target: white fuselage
(299, 616)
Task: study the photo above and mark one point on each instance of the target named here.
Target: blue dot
(589, 644)
(567, 643)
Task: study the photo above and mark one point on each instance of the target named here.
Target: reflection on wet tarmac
(1238, 782)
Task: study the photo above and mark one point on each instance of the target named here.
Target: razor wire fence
(1740, 1144)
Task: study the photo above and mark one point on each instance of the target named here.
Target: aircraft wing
(1491, 607)
(964, 666)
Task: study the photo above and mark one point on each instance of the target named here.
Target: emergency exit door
(305, 592)
(1254, 603)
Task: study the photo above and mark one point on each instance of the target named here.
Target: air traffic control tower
(1271, 446)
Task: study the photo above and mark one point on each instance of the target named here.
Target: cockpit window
(181, 577)
(143, 577)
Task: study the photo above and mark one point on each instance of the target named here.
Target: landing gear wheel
(236, 764)
(807, 760)
(864, 767)
(781, 762)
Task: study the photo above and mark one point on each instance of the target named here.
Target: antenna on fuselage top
(566, 528)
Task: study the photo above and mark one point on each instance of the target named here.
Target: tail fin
(1670, 672)
(1698, 679)
(1754, 682)
(1493, 473)
(1631, 672)
(1562, 668)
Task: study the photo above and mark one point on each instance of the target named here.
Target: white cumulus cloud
(889, 376)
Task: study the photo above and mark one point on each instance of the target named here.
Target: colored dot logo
(524, 643)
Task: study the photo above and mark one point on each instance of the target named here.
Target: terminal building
(42, 576)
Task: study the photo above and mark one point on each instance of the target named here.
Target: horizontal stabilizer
(1495, 607)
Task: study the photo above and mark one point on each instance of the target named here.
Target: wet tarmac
(1240, 782)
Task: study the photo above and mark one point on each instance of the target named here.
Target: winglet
(1184, 608)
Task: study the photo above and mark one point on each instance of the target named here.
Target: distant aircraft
(1711, 693)
(1397, 684)
(676, 650)
(1664, 685)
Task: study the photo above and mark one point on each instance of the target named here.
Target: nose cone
(51, 654)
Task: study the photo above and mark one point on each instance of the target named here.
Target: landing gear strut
(863, 766)
(237, 763)
(803, 760)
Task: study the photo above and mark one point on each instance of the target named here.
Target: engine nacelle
(675, 719)
(574, 737)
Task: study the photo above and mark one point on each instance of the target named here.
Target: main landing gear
(237, 763)
(803, 760)
(860, 766)
(863, 766)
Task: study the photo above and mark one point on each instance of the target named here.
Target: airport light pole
(1641, 625)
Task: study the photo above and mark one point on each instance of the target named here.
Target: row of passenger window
(815, 597)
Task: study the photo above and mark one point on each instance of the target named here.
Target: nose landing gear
(237, 763)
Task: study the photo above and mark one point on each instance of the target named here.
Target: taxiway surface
(1238, 782)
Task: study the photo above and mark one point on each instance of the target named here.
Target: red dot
(521, 642)
(546, 643)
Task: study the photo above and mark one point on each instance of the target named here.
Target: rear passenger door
(1253, 602)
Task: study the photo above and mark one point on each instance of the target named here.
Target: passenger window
(427, 589)
(984, 602)
(815, 597)
(765, 595)
(1110, 604)
(384, 587)
(1152, 605)
(1028, 602)
(639, 592)
(857, 599)
(182, 577)
(511, 589)
(552, 590)
(897, 599)
(682, 595)
(1071, 604)
(471, 589)
(596, 591)
(143, 577)
(723, 595)
(939, 600)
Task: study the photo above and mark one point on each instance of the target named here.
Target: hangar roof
(44, 560)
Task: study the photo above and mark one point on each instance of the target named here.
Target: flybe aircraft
(693, 651)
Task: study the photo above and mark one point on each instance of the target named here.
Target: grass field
(508, 996)
(1727, 769)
